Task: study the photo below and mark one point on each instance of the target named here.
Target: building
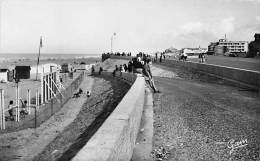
(220, 50)
(66, 68)
(22, 72)
(235, 47)
(211, 48)
(254, 47)
(223, 46)
(6, 75)
(46, 68)
(193, 52)
(3, 75)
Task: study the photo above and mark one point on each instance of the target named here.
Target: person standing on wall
(147, 73)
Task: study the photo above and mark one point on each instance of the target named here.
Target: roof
(3, 70)
(22, 68)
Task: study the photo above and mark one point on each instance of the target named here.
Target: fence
(46, 110)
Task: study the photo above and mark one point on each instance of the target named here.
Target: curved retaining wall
(241, 77)
(115, 139)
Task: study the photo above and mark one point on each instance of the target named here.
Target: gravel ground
(106, 94)
(195, 116)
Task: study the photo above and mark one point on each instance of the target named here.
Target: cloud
(250, 0)
(254, 1)
(226, 25)
(257, 18)
(193, 34)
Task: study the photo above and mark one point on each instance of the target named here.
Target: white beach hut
(46, 68)
(3, 75)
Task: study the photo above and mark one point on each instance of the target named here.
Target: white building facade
(234, 46)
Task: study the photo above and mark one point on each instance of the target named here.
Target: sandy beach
(57, 134)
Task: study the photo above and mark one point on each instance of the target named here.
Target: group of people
(108, 55)
(11, 108)
(162, 57)
(202, 58)
(139, 64)
(79, 93)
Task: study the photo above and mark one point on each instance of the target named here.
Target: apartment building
(223, 46)
(234, 46)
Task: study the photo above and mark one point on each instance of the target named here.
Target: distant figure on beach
(114, 73)
(24, 111)
(77, 94)
(61, 79)
(92, 69)
(125, 67)
(121, 68)
(203, 57)
(10, 109)
(100, 70)
(183, 57)
(88, 93)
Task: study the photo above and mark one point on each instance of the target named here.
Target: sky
(87, 26)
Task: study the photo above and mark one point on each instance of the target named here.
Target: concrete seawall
(115, 139)
(241, 77)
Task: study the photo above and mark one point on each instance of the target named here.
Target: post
(42, 101)
(37, 99)
(50, 88)
(35, 118)
(1, 110)
(45, 88)
(29, 101)
(111, 44)
(17, 109)
(52, 106)
(2, 105)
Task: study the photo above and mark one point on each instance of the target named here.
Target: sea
(13, 56)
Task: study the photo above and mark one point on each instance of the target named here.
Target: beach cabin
(22, 72)
(46, 68)
(3, 75)
(66, 68)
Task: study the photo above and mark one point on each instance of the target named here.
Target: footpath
(26, 144)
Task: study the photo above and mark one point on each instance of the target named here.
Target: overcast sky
(86, 26)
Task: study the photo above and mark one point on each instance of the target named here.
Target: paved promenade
(235, 62)
(197, 120)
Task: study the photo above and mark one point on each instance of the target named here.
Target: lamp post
(38, 59)
(114, 34)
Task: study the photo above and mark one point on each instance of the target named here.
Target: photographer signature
(232, 144)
